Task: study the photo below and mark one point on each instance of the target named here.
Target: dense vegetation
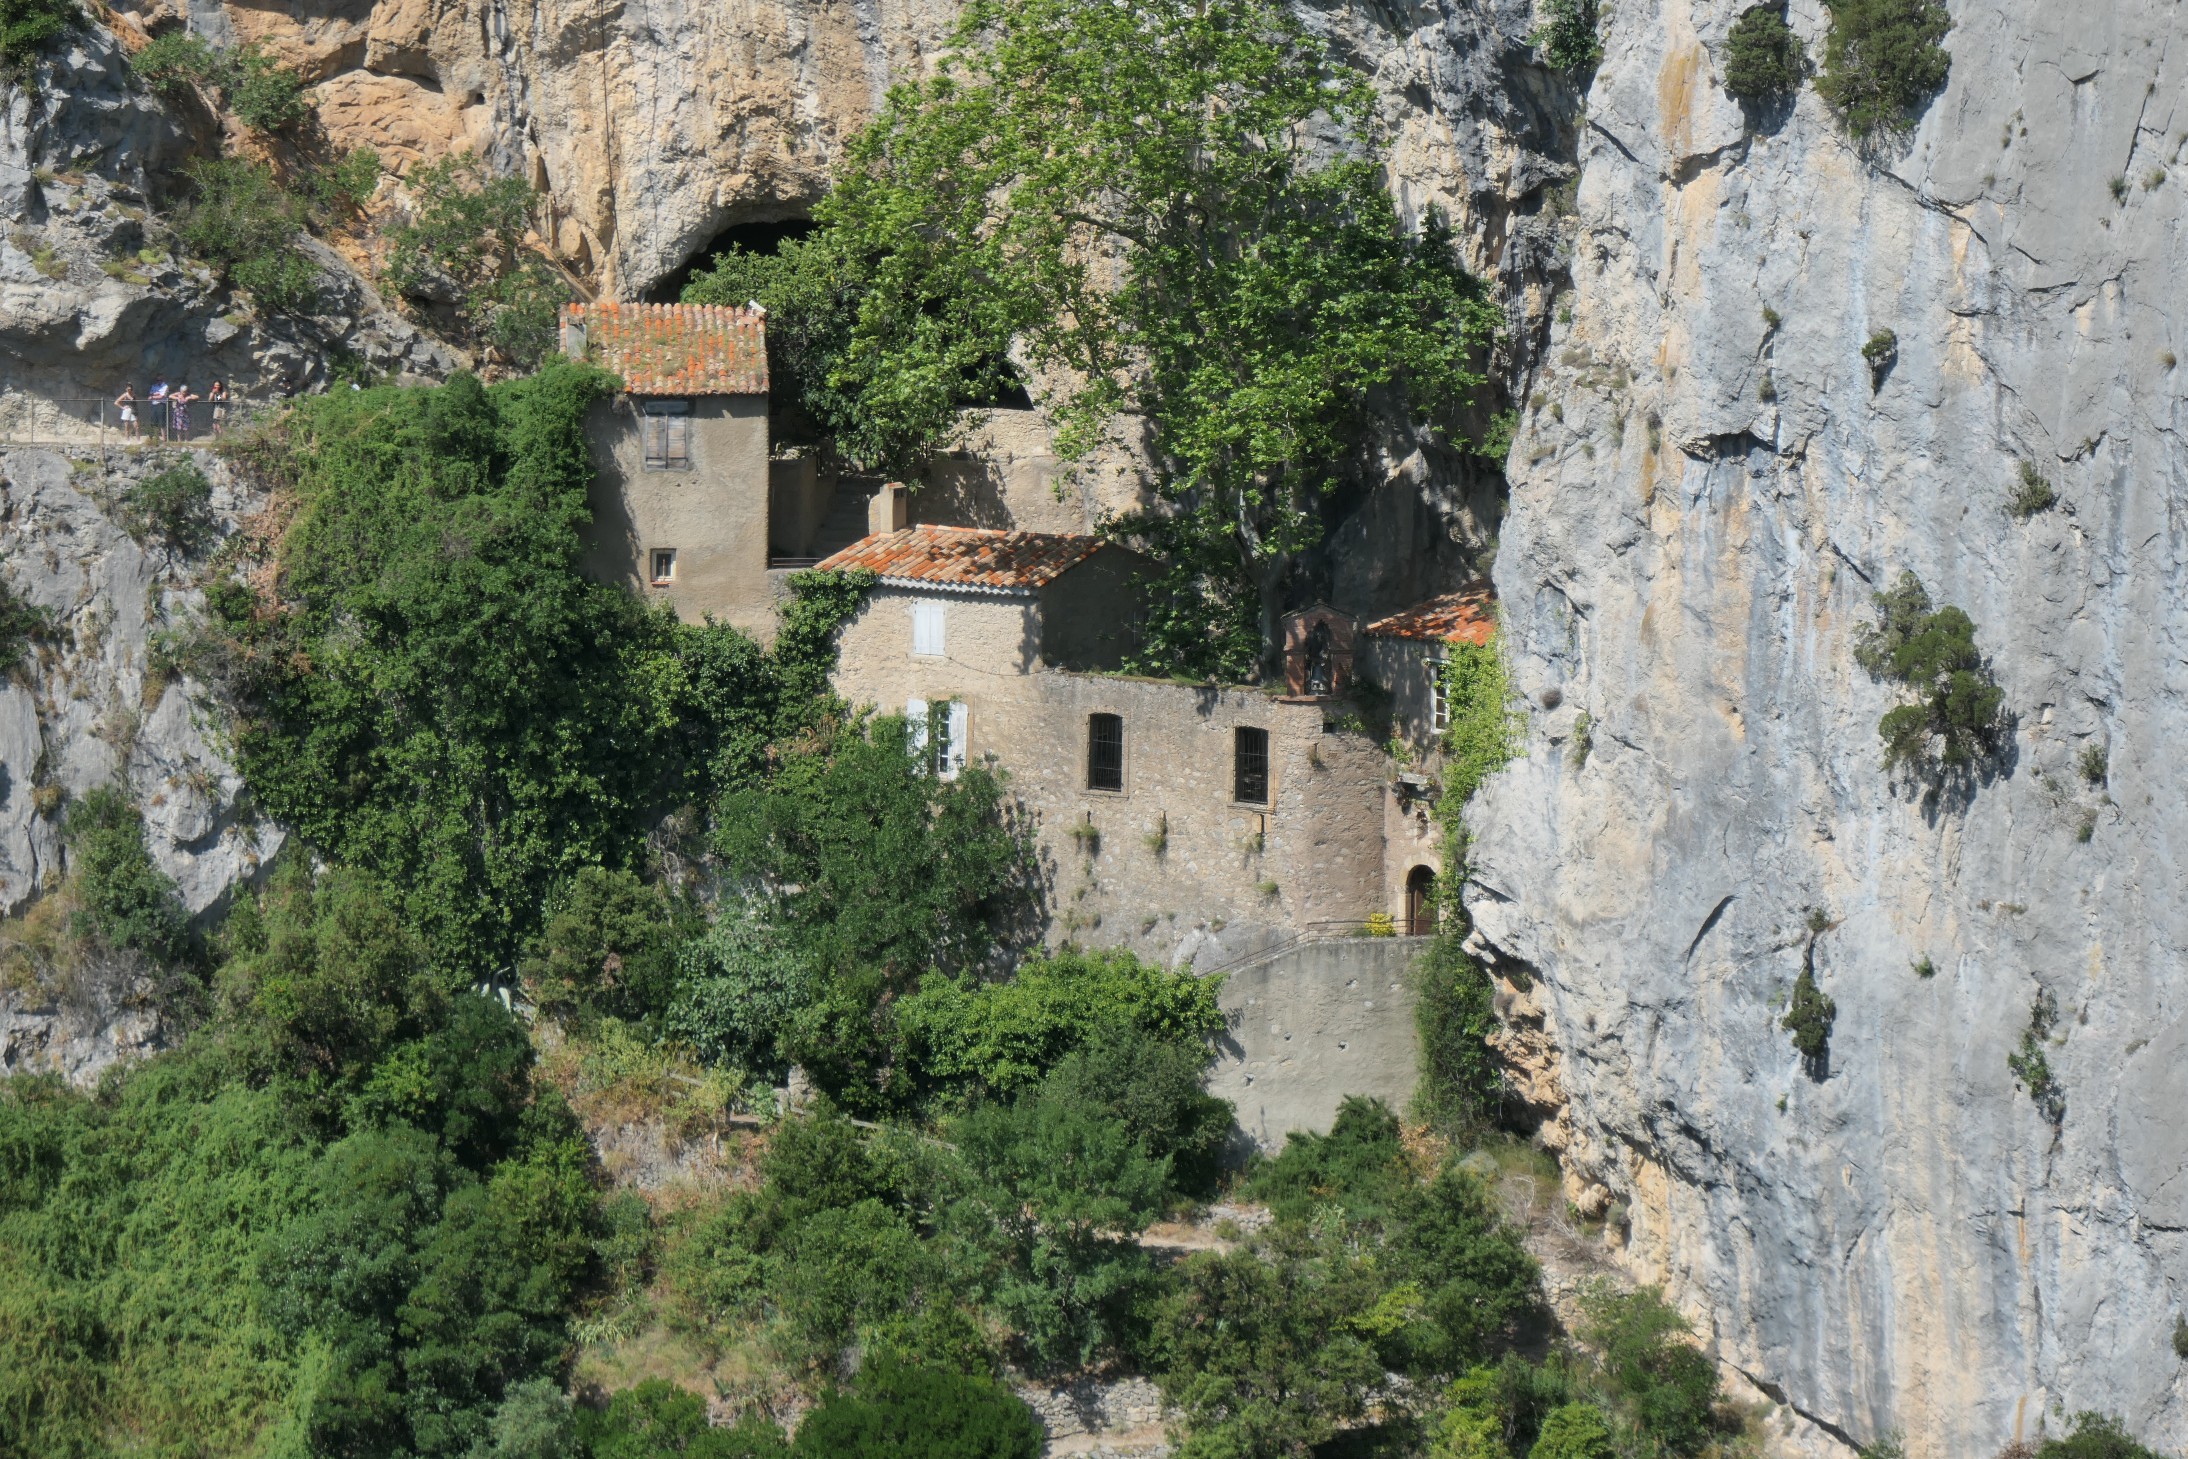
(1193, 264)
(1763, 58)
(1882, 60)
(463, 245)
(1956, 720)
(28, 27)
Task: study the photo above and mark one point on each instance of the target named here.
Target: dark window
(666, 428)
(1250, 766)
(1104, 752)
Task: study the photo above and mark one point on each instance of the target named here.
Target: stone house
(1173, 818)
(685, 495)
(1405, 655)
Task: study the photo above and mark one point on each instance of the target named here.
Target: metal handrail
(82, 419)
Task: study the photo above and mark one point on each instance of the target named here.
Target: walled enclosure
(1313, 1024)
(714, 513)
(1171, 866)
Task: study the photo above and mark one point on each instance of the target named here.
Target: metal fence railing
(83, 420)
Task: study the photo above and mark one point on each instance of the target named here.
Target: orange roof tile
(672, 349)
(976, 558)
(1466, 616)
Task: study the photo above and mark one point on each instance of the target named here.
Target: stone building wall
(714, 514)
(1171, 865)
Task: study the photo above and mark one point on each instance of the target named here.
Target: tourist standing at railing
(178, 410)
(217, 398)
(156, 401)
(127, 402)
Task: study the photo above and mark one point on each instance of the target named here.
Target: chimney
(889, 511)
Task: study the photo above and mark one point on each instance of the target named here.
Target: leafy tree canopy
(1170, 207)
(1957, 718)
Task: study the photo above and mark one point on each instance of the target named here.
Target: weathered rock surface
(93, 704)
(1906, 1243)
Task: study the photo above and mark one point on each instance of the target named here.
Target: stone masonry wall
(1171, 866)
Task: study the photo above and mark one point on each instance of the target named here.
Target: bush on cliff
(125, 900)
(1763, 58)
(28, 27)
(240, 220)
(1957, 720)
(1882, 60)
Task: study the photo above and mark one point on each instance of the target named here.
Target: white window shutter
(927, 638)
(915, 715)
(960, 720)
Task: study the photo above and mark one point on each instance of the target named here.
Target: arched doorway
(1420, 901)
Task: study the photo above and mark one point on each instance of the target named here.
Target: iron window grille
(1104, 752)
(1250, 766)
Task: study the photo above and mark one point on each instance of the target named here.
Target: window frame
(655, 557)
(674, 417)
(1104, 719)
(1439, 695)
(1243, 736)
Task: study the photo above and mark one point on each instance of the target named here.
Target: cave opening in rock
(766, 236)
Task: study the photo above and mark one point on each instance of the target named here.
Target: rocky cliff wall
(1907, 1243)
(103, 698)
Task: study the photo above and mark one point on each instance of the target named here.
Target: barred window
(1250, 766)
(665, 427)
(1439, 697)
(1104, 752)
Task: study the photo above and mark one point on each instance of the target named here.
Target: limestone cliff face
(1907, 1243)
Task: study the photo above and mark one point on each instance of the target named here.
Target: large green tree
(1173, 207)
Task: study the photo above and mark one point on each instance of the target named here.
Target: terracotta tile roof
(1466, 616)
(672, 349)
(976, 558)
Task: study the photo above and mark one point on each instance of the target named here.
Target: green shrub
(1454, 1011)
(1152, 1087)
(464, 244)
(174, 62)
(1259, 1352)
(2032, 493)
(28, 27)
(174, 505)
(2030, 1066)
(2095, 1436)
(2094, 764)
(1568, 36)
(740, 988)
(247, 226)
(1664, 1385)
(265, 95)
(881, 874)
(811, 291)
(1882, 59)
(534, 1420)
(1484, 731)
(898, 1411)
(1957, 720)
(1062, 1191)
(449, 702)
(1575, 1431)
(2180, 1338)
(1359, 1165)
(22, 623)
(1881, 352)
(1003, 1037)
(1763, 58)
(125, 900)
(1809, 1018)
(609, 948)
(348, 184)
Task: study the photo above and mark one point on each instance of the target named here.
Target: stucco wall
(1090, 616)
(1402, 666)
(714, 514)
(1172, 866)
(1313, 1024)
